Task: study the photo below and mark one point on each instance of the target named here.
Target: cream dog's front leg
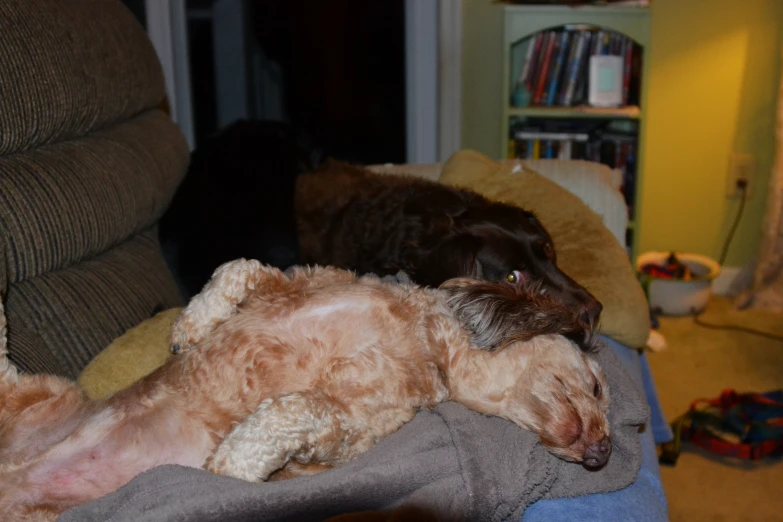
(301, 426)
(231, 284)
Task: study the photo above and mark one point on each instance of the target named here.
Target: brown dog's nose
(591, 312)
(597, 453)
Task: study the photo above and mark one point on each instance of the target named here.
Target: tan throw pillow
(135, 354)
(586, 250)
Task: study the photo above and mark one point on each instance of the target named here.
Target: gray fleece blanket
(451, 461)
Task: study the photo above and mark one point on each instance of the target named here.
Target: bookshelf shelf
(622, 126)
(583, 111)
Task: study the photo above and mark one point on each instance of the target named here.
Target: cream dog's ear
(497, 315)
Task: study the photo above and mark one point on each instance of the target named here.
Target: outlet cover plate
(741, 166)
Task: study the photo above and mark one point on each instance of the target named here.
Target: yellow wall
(713, 80)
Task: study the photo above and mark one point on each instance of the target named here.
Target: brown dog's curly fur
(351, 218)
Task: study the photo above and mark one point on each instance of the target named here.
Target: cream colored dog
(296, 372)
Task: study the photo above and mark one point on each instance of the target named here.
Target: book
(580, 88)
(557, 64)
(524, 75)
(550, 74)
(565, 150)
(627, 65)
(629, 179)
(598, 43)
(558, 67)
(544, 71)
(570, 59)
(538, 63)
(576, 69)
(557, 136)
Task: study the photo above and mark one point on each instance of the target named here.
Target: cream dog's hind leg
(302, 426)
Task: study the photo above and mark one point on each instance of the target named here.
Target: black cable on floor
(698, 321)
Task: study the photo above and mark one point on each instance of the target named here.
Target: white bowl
(675, 297)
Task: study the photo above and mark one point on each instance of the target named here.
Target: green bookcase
(522, 22)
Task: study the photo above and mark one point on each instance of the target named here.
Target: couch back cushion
(70, 67)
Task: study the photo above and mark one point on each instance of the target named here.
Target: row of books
(555, 71)
(618, 151)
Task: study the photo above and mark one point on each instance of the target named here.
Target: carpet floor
(700, 362)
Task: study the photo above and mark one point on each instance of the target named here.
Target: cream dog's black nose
(597, 453)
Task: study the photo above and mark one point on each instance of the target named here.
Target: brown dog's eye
(597, 390)
(514, 277)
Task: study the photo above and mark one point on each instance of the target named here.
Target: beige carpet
(700, 362)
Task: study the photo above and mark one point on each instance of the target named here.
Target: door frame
(433, 79)
(167, 29)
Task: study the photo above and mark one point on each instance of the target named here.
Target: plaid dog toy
(739, 425)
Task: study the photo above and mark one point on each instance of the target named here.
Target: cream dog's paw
(229, 286)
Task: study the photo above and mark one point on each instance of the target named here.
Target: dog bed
(451, 462)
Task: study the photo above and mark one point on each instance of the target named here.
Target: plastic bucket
(679, 297)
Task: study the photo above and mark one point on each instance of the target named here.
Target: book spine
(533, 135)
(536, 149)
(573, 45)
(538, 58)
(627, 56)
(584, 70)
(521, 149)
(544, 73)
(598, 43)
(526, 67)
(558, 69)
(565, 150)
(573, 73)
(551, 61)
(549, 152)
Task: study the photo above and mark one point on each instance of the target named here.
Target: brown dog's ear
(497, 315)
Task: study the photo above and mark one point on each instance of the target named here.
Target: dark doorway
(338, 69)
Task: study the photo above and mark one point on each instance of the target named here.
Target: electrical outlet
(741, 166)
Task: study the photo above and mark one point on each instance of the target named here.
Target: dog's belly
(106, 453)
(363, 350)
(336, 328)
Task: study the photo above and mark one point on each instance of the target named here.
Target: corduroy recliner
(88, 164)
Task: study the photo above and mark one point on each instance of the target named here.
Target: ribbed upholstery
(84, 307)
(68, 67)
(30, 353)
(88, 164)
(66, 201)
